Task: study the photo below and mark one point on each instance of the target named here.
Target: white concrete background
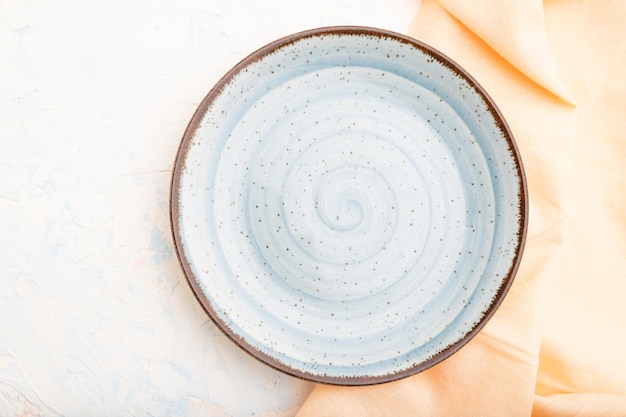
(96, 318)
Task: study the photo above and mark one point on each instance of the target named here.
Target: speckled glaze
(348, 205)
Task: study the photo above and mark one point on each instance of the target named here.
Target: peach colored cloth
(557, 345)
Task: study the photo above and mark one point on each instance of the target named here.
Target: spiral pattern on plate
(349, 206)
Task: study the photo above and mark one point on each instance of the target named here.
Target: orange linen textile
(557, 344)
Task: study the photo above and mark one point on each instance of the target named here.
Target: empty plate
(348, 205)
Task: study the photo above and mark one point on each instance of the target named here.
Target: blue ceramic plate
(348, 205)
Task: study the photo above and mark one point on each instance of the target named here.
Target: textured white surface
(95, 315)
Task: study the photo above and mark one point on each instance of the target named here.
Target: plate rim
(193, 281)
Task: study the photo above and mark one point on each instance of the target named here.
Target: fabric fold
(587, 405)
(516, 31)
